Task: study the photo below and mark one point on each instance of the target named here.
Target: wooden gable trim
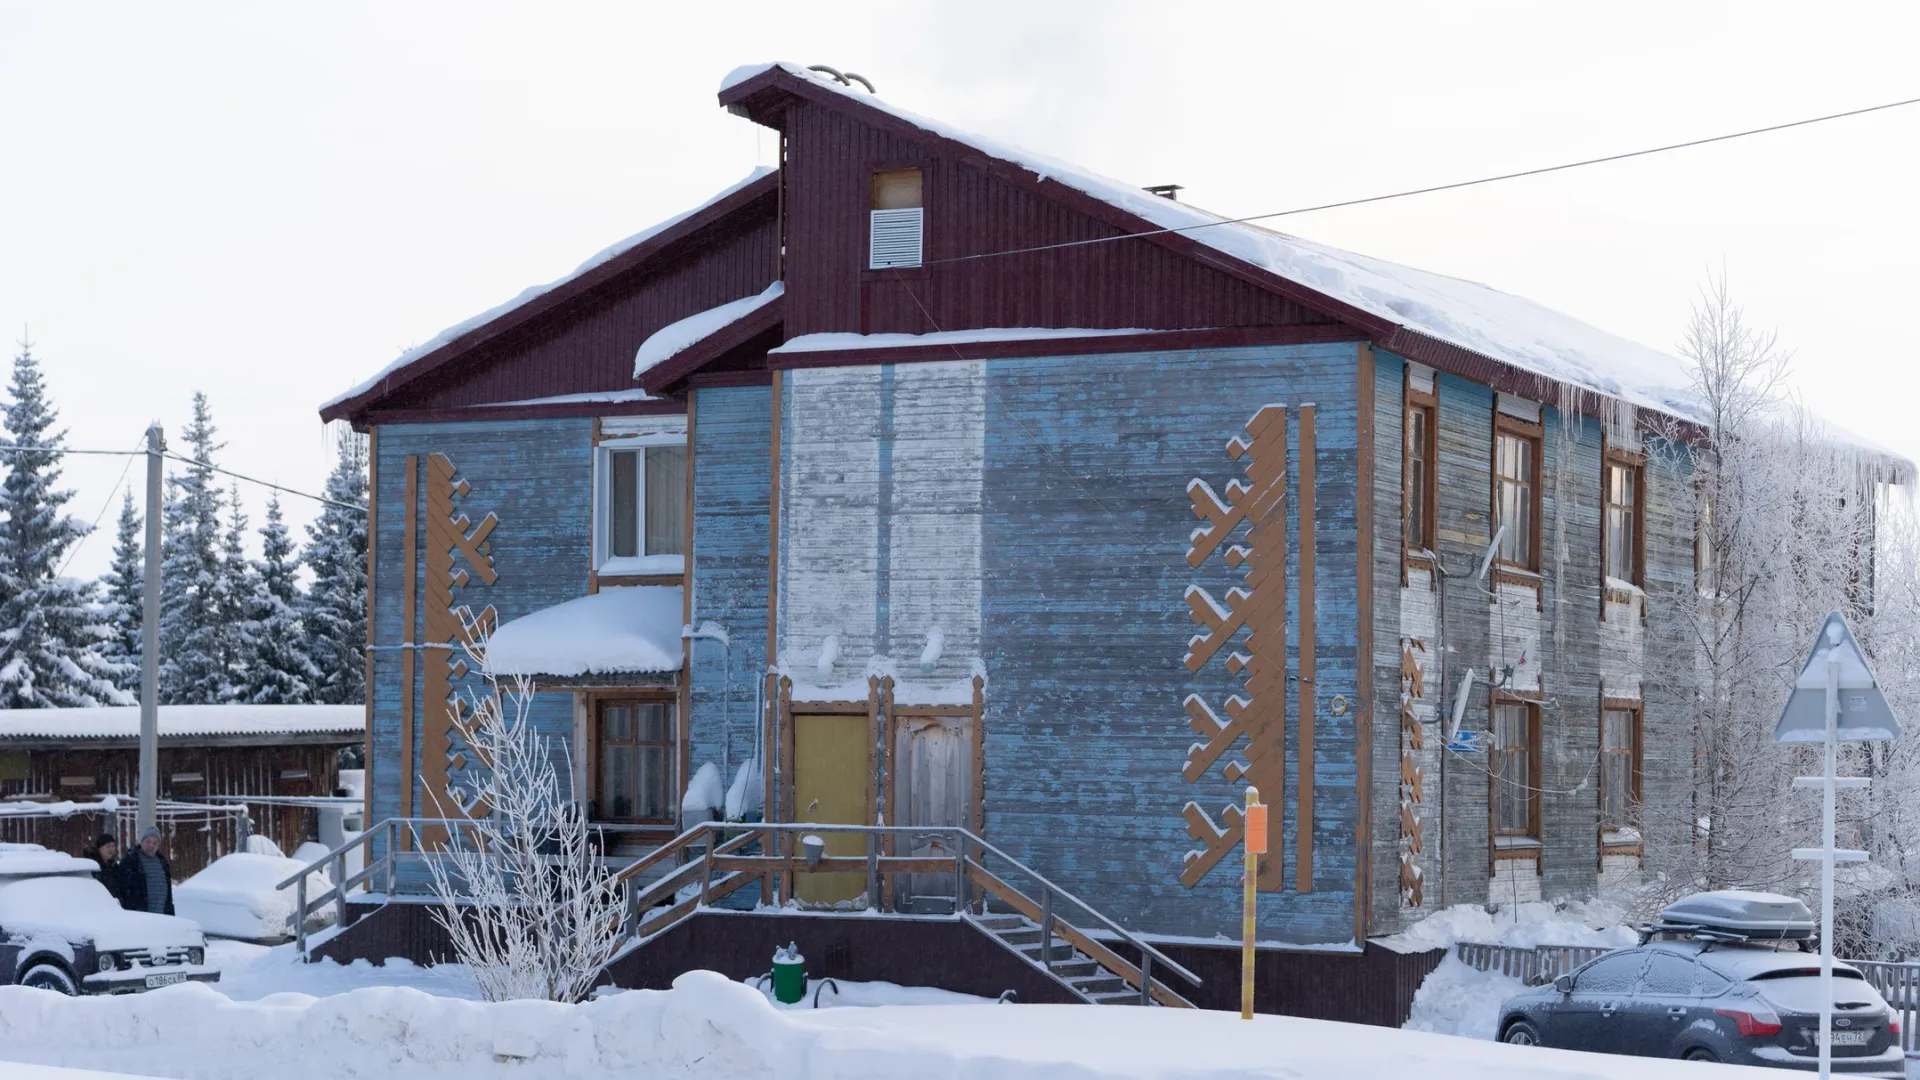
(494, 330)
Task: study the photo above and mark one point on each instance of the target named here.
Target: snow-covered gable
(468, 325)
(183, 721)
(676, 337)
(1508, 329)
(626, 629)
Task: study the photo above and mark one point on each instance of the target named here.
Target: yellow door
(830, 760)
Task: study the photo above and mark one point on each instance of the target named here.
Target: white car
(61, 930)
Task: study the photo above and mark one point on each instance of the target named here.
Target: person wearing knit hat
(146, 878)
(105, 854)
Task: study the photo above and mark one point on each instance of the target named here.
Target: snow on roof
(1467, 314)
(181, 721)
(675, 337)
(836, 341)
(474, 322)
(619, 630)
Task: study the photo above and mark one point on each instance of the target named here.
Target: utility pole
(150, 638)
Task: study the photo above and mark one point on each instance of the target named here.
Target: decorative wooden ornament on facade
(1259, 606)
(450, 628)
(1412, 780)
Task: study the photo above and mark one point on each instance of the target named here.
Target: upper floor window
(640, 504)
(1421, 497)
(897, 220)
(1624, 522)
(1516, 495)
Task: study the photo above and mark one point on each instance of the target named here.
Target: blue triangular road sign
(1863, 715)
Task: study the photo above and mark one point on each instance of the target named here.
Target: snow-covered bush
(528, 906)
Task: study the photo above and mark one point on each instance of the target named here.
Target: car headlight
(106, 962)
(195, 956)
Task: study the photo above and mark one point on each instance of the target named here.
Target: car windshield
(36, 899)
(1798, 990)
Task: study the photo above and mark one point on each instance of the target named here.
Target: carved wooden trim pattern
(1412, 779)
(450, 627)
(1259, 606)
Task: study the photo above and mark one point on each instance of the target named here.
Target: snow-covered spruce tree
(528, 906)
(51, 631)
(192, 669)
(280, 672)
(336, 555)
(121, 590)
(235, 634)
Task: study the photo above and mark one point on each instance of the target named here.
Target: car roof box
(1742, 913)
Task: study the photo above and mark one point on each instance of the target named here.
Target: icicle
(1570, 421)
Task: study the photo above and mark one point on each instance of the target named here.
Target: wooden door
(934, 770)
(830, 764)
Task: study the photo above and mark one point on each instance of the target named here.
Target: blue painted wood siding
(1083, 520)
(536, 476)
(732, 464)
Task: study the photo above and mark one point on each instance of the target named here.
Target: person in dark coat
(146, 878)
(106, 855)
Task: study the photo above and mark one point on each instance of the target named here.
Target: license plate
(1843, 1038)
(174, 977)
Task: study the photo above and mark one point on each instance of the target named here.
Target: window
(1516, 769)
(897, 220)
(1703, 558)
(1667, 974)
(1516, 496)
(634, 749)
(1624, 521)
(1610, 974)
(1620, 773)
(640, 519)
(1422, 488)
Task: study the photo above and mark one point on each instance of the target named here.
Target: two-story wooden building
(926, 480)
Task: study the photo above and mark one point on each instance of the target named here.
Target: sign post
(1835, 699)
(1254, 835)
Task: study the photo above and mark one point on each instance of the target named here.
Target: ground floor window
(1516, 769)
(633, 749)
(1620, 772)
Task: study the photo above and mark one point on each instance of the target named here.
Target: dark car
(1713, 990)
(61, 930)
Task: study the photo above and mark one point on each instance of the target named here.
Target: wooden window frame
(674, 780)
(1527, 573)
(1413, 550)
(605, 564)
(1610, 460)
(1535, 763)
(1636, 776)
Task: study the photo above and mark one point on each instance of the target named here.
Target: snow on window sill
(632, 566)
(1517, 844)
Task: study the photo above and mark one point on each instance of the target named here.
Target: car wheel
(1521, 1033)
(1700, 1054)
(50, 977)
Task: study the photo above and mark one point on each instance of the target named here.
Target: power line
(1440, 187)
(99, 517)
(321, 499)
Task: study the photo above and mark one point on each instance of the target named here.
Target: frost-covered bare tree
(1788, 517)
(523, 896)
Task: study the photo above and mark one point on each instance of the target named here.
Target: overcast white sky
(269, 201)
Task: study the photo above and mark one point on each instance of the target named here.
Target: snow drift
(710, 1027)
(235, 896)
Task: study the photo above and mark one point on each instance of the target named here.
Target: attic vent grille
(895, 239)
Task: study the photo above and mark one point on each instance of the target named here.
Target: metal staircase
(1037, 921)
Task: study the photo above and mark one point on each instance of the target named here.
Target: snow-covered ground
(252, 972)
(711, 1027)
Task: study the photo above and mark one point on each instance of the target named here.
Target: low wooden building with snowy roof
(87, 761)
(874, 482)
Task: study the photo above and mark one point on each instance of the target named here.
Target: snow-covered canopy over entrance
(624, 630)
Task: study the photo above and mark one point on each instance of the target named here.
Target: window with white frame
(640, 504)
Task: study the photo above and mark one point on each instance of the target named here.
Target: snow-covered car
(236, 897)
(61, 930)
(1723, 977)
